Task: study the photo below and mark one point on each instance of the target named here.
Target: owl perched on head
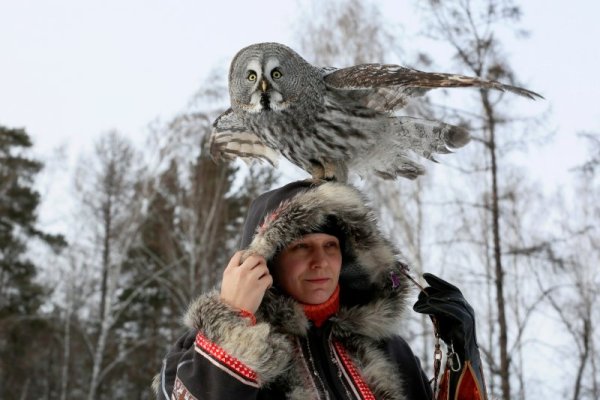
(331, 121)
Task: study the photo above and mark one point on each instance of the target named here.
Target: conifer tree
(21, 326)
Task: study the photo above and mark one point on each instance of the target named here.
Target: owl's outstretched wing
(230, 139)
(386, 87)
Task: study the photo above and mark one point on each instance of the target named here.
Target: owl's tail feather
(394, 154)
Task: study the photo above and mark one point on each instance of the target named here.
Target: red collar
(319, 313)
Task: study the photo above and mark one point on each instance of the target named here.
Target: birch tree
(470, 29)
(577, 279)
(106, 182)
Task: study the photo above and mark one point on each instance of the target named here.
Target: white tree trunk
(64, 376)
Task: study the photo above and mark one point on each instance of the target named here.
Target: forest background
(113, 217)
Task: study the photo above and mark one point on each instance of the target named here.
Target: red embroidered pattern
(362, 387)
(249, 315)
(226, 360)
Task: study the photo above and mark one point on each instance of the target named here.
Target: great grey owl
(329, 121)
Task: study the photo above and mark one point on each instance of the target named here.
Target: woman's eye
(300, 246)
(276, 74)
(251, 76)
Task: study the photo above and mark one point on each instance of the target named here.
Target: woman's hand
(455, 316)
(244, 285)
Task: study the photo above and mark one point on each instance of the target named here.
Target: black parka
(356, 354)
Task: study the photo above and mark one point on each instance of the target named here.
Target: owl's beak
(264, 85)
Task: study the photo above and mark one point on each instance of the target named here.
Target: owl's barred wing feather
(230, 139)
(386, 87)
(394, 154)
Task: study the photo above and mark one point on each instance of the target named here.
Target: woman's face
(309, 268)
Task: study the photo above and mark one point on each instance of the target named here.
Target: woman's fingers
(259, 272)
(244, 284)
(266, 280)
(235, 260)
(253, 261)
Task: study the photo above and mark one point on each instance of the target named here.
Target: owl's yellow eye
(276, 74)
(251, 76)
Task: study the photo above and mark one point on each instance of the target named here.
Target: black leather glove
(455, 319)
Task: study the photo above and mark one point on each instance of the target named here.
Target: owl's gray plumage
(329, 121)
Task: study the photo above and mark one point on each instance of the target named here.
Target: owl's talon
(316, 170)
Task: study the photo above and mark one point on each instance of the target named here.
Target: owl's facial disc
(264, 94)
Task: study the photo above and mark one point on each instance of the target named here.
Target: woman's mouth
(317, 280)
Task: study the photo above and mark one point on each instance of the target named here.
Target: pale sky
(72, 69)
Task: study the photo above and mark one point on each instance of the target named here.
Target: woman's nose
(319, 258)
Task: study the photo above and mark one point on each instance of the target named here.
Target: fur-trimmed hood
(373, 297)
(373, 289)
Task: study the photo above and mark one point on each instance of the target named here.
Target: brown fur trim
(283, 312)
(269, 346)
(374, 256)
(379, 318)
(266, 352)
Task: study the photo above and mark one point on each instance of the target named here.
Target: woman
(309, 310)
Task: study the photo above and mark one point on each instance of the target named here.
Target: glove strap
(437, 361)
